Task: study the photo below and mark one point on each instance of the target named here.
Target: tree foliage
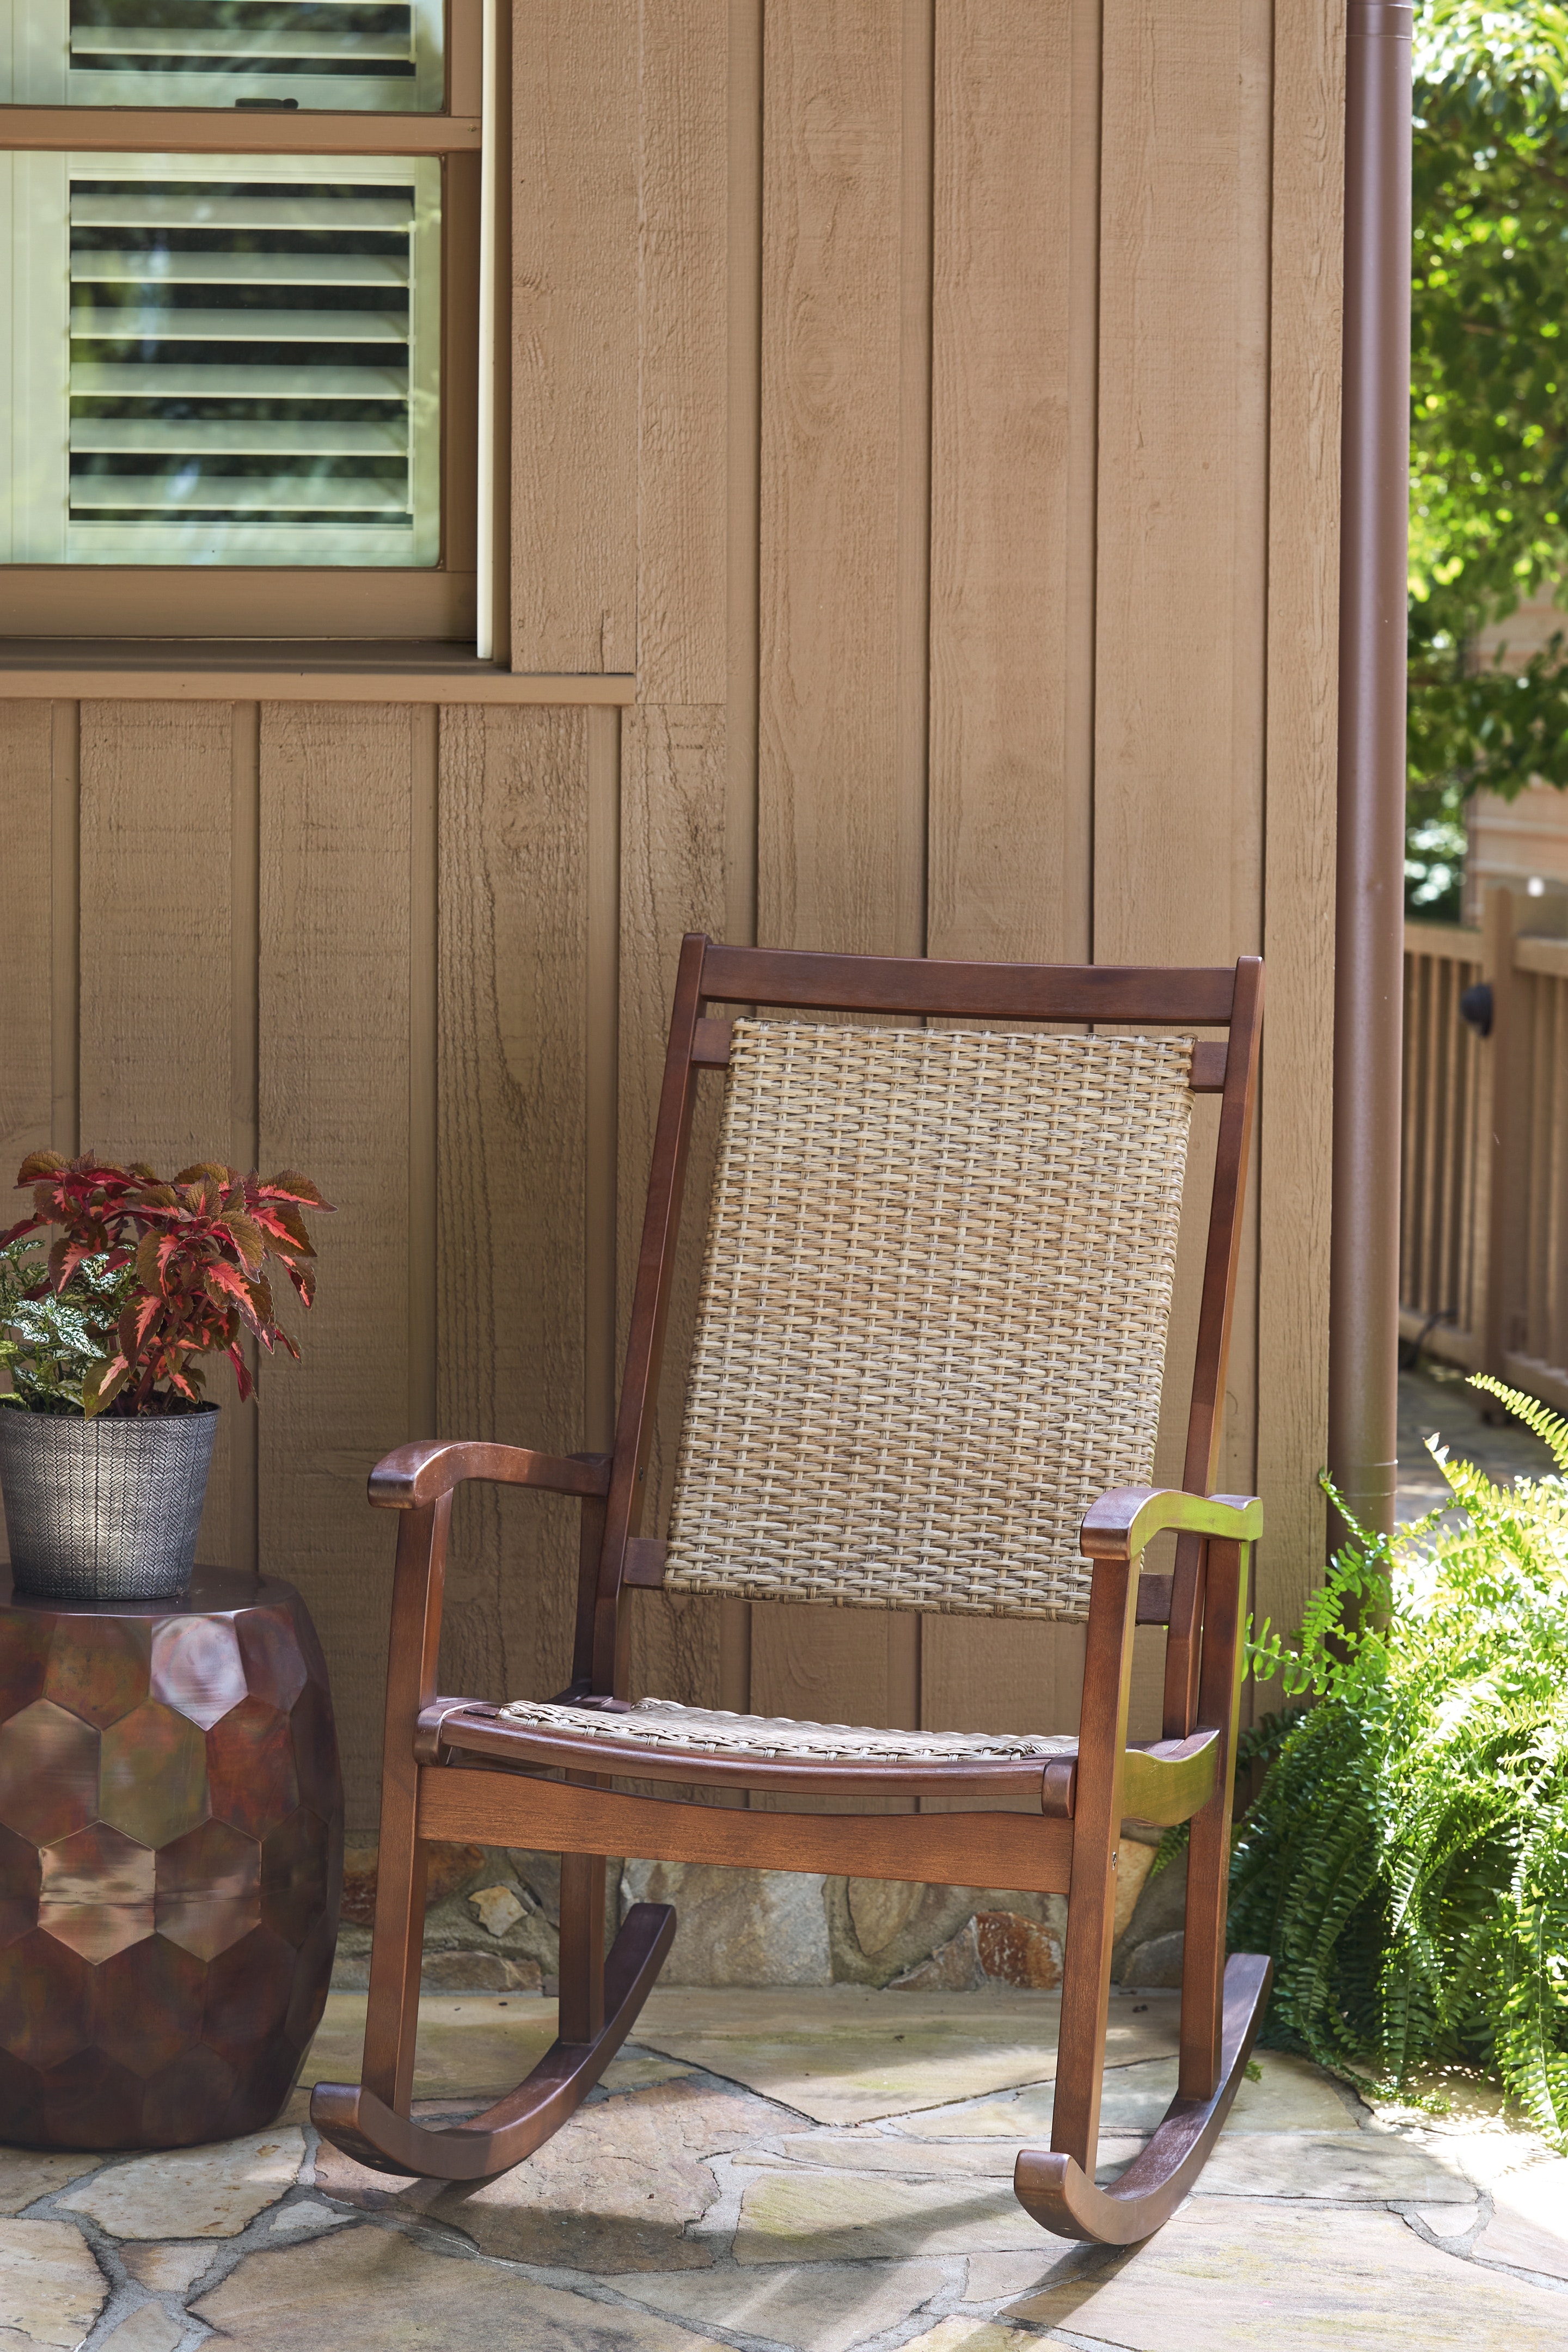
(1489, 412)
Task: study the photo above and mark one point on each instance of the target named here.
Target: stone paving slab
(1289, 2095)
(1273, 2275)
(26, 2174)
(689, 2206)
(1529, 2228)
(809, 2217)
(51, 2290)
(203, 2192)
(372, 2287)
(615, 2193)
(810, 2309)
(148, 2329)
(846, 2054)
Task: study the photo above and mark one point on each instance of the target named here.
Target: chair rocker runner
(926, 1375)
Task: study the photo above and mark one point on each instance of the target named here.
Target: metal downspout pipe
(1364, 1281)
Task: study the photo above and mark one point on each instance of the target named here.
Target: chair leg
(581, 1964)
(397, 1950)
(1222, 2002)
(600, 1999)
(1064, 2198)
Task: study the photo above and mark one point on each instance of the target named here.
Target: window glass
(220, 360)
(383, 55)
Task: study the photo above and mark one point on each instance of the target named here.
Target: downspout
(1363, 1280)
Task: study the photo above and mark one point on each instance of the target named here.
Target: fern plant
(1407, 1859)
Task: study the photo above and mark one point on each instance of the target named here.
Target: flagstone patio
(811, 2169)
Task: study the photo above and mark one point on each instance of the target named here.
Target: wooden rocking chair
(928, 1364)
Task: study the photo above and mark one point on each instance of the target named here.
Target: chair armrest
(413, 1476)
(1120, 1525)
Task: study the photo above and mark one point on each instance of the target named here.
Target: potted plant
(106, 1440)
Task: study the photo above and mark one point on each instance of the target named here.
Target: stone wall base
(492, 1925)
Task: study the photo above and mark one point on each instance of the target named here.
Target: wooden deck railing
(1483, 1245)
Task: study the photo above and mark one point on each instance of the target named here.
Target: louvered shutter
(226, 360)
(381, 54)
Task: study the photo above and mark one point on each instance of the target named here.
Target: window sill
(181, 671)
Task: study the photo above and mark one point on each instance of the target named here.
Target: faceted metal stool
(170, 1861)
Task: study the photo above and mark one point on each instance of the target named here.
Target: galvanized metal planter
(104, 1510)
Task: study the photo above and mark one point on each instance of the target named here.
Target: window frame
(434, 603)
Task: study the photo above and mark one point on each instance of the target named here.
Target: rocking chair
(926, 1369)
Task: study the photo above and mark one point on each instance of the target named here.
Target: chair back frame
(1227, 997)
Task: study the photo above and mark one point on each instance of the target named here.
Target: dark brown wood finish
(456, 1769)
(1216, 1310)
(1064, 2198)
(945, 1849)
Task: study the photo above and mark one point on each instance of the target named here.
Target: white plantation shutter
(381, 54)
(224, 360)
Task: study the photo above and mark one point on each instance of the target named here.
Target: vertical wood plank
(833, 1666)
(244, 1047)
(840, 832)
(1184, 482)
(337, 789)
(65, 926)
(682, 324)
(26, 941)
(157, 1079)
(743, 460)
(575, 354)
(601, 1050)
(844, 591)
(1296, 1120)
(672, 881)
(511, 1178)
(1183, 546)
(1013, 428)
(1013, 434)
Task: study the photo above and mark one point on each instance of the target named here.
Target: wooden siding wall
(935, 404)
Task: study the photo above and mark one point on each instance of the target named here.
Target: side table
(170, 1861)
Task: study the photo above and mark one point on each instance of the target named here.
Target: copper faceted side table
(170, 1861)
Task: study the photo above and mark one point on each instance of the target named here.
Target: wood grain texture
(682, 323)
(1012, 455)
(673, 777)
(1013, 428)
(1181, 544)
(512, 1174)
(337, 788)
(575, 346)
(1295, 1122)
(840, 833)
(26, 941)
(844, 549)
(156, 1037)
(65, 926)
(244, 1010)
(834, 1665)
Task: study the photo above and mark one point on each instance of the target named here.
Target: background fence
(1483, 1265)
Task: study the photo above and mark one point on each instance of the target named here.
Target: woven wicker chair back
(931, 1329)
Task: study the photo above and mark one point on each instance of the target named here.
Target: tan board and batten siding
(935, 410)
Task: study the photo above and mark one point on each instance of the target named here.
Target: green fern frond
(1406, 1860)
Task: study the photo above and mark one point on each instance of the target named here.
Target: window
(239, 357)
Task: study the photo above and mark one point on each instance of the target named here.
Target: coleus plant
(192, 1253)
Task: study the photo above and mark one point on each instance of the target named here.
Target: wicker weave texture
(932, 1327)
(713, 1731)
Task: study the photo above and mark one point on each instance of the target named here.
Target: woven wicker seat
(709, 1731)
(927, 1374)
